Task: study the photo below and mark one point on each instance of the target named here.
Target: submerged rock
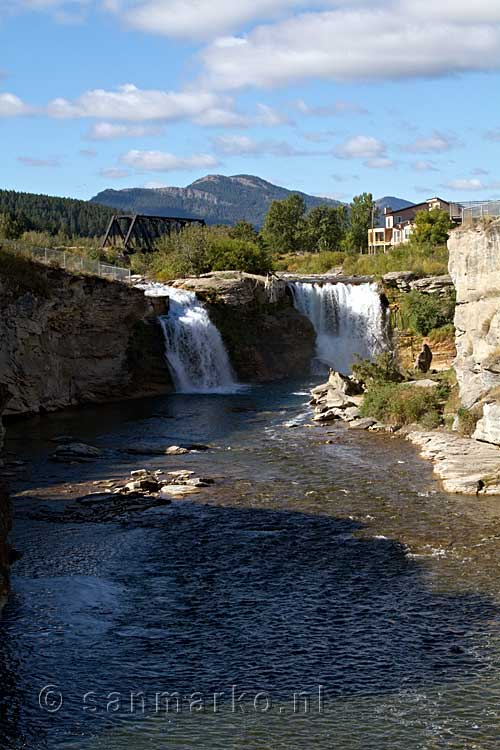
(76, 452)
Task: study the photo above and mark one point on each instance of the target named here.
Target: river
(324, 590)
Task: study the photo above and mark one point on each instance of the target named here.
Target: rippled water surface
(323, 562)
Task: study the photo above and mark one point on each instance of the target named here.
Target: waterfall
(348, 319)
(194, 349)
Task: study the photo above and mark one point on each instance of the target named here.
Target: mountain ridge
(216, 198)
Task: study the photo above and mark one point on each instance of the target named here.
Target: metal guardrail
(479, 211)
(72, 262)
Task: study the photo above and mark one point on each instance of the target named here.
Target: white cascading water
(194, 349)
(348, 320)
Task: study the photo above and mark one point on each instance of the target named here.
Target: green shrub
(443, 334)
(382, 370)
(396, 403)
(310, 262)
(468, 419)
(21, 274)
(425, 312)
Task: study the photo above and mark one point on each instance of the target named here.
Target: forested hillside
(44, 213)
(215, 198)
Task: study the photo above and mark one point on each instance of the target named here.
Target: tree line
(289, 227)
(27, 212)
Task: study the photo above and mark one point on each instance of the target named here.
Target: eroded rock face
(70, 339)
(265, 336)
(475, 269)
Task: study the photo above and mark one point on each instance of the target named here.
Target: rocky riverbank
(464, 465)
(68, 340)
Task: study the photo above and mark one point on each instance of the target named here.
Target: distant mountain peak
(217, 198)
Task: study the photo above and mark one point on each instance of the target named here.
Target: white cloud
(160, 161)
(106, 131)
(380, 162)
(222, 117)
(424, 166)
(383, 41)
(30, 161)
(466, 183)
(88, 153)
(434, 143)
(339, 107)
(236, 144)
(361, 147)
(135, 105)
(12, 106)
(113, 173)
(270, 117)
(202, 19)
(243, 145)
(154, 185)
(493, 135)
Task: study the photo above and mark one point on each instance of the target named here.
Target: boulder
(327, 416)
(398, 280)
(423, 383)
(352, 412)
(337, 400)
(76, 452)
(433, 285)
(175, 490)
(344, 383)
(153, 449)
(364, 423)
(488, 427)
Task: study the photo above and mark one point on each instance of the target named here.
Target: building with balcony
(400, 224)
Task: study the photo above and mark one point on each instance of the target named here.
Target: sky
(331, 97)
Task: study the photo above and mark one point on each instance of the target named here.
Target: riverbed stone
(464, 465)
(76, 452)
(364, 423)
(327, 416)
(335, 399)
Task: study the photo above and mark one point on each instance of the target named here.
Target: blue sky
(332, 97)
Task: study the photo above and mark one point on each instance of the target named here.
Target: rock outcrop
(67, 340)
(475, 269)
(464, 466)
(265, 336)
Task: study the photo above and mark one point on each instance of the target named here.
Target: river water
(324, 585)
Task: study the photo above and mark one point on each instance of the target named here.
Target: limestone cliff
(67, 340)
(475, 270)
(265, 336)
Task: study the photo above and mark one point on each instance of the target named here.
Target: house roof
(414, 206)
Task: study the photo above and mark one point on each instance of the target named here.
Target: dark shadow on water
(199, 598)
